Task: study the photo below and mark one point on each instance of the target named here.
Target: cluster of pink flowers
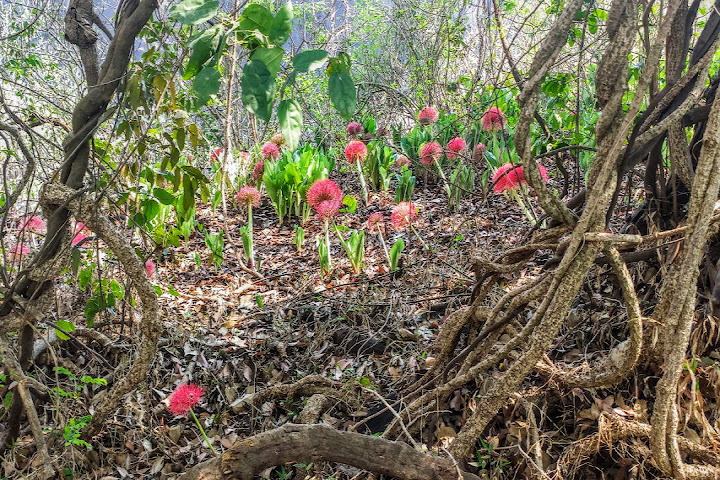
(402, 161)
(479, 152)
(150, 268)
(32, 224)
(184, 398)
(19, 251)
(249, 196)
(80, 233)
(355, 151)
(427, 116)
(325, 197)
(430, 153)
(354, 129)
(278, 139)
(258, 170)
(493, 119)
(454, 147)
(510, 177)
(376, 222)
(403, 215)
(270, 150)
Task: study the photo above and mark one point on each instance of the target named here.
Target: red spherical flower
(258, 170)
(184, 398)
(215, 154)
(403, 215)
(79, 234)
(493, 119)
(150, 268)
(19, 251)
(402, 161)
(427, 116)
(249, 196)
(508, 177)
(376, 222)
(325, 197)
(543, 173)
(355, 151)
(455, 146)
(430, 152)
(270, 150)
(355, 128)
(32, 224)
(479, 152)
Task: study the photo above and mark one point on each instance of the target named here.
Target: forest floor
(236, 334)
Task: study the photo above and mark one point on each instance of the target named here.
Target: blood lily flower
(356, 152)
(402, 161)
(32, 224)
(150, 268)
(427, 116)
(493, 120)
(479, 152)
(249, 197)
(354, 129)
(325, 197)
(79, 234)
(258, 171)
(430, 153)
(215, 154)
(278, 139)
(510, 179)
(270, 150)
(403, 215)
(182, 401)
(19, 251)
(454, 147)
(376, 222)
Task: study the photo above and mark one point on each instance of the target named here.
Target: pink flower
(19, 251)
(427, 116)
(455, 146)
(479, 152)
(249, 196)
(33, 224)
(325, 197)
(184, 398)
(354, 128)
(403, 215)
(270, 150)
(508, 177)
(402, 161)
(278, 139)
(493, 119)
(150, 268)
(355, 151)
(79, 234)
(258, 170)
(430, 152)
(215, 154)
(543, 173)
(376, 222)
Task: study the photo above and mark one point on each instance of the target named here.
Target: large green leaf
(256, 18)
(282, 25)
(204, 47)
(342, 93)
(206, 83)
(290, 117)
(193, 12)
(258, 89)
(271, 57)
(309, 60)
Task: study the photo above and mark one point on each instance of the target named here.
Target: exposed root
(307, 387)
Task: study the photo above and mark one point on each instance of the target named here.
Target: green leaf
(282, 25)
(395, 253)
(258, 89)
(150, 208)
(65, 325)
(291, 121)
(206, 84)
(204, 46)
(271, 57)
(165, 197)
(342, 93)
(256, 17)
(309, 60)
(192, 12)
(351, 203)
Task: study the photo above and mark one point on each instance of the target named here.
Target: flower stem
(382, 240)
(366, 195)
(327, 245)
(202, 431)
(444, 179)
(251, 253)
(420, 238)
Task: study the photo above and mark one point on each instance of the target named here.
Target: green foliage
(405, 185)
(309, 60)
(378, 164)
(354, 247)
(290, 118)
(258, 89)
(216, 243)
(194, 12)
(395, 253)
(462, 182)
(73, 431)
(299, 237)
